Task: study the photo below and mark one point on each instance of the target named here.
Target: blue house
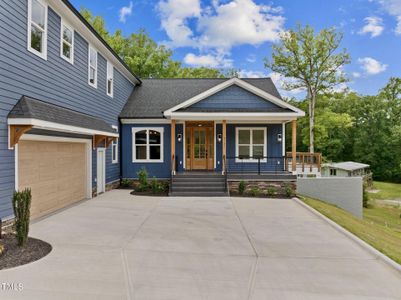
(74, 120)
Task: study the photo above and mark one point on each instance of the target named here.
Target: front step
(198, 185)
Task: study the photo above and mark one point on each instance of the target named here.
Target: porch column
(294, 145)
(224, 145)
(173, 158)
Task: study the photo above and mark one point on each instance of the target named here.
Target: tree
(311, 60)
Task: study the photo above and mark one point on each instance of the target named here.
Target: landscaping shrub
(254, 192)
(1, 250)
(125, 183)
(143, 179)
(155, 185)
(365, 196)
(271, 191)
(241, 187)
(288, 190)
(21, 206)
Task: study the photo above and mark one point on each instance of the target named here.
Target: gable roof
(347, 165)
(155, 96)
(29, 108)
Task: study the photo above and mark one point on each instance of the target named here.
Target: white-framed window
(114, 148)
(110, 79)
(67, 42)
(37, 27)
(92, 66)
(251, 144)
(147, 144)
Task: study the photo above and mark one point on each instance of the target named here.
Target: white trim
(59, 127)
(16, 171)
(240, 83)
(45, 138)
(103, 183)
(116, 144)
(283, 138)
(196, 116)
(91, 48)
(215, 142)
(145, 121)
(110, 76)
(251, 129)
(62, 25)
(158, 129)
(45, 31)
(184, 143)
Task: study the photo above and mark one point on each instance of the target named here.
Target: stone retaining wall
(271, 189)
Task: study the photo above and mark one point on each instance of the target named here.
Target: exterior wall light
(279, 138)
(219, 137)
(179, 137)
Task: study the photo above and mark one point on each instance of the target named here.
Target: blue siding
(158, 169)
(53, 80)
(234, 97)
(219, 151)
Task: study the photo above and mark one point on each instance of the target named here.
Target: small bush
(271, 191)
(143, 179)
(254, 192)
(155, 185)
(288, 190)
(241, 187)
(22, 205)
(1, 250)
(365, 196)
(125, 183)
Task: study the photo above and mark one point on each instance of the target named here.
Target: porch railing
(305, 161)
(255, 165)
(172, 170)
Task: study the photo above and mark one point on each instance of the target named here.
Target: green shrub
(288, 190)
(365, 196)
(241, 187)
(155, 185)
(125, 183)
(22, 205)
(271, 191)
(143, 179)
(254, 192)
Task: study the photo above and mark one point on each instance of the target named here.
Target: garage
(56, 172)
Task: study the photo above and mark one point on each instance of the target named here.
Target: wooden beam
(294, 145)
(109, 140)
(98, 139)
(173, 123)
(224, 145)
(16, 131)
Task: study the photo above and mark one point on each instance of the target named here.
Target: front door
(101, 171)
(199, 145)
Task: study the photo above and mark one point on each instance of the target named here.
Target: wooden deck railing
(305, 160)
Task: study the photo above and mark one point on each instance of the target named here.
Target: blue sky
(239, 33)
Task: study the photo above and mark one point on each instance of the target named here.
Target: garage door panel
(56, 173)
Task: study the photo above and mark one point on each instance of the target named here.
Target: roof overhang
(173, 113)
(52, 126)
(198, 116)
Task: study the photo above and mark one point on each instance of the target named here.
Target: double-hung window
(110, 79)
(147, 144)
(37, 27)
(67, 42)
(92, 67)
(251, 144)
(114, 148)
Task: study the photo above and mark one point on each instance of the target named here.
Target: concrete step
(199, 180)
(199, 194)
(198, 184)
(198, 189)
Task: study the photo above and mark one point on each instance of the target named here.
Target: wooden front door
(199, 145)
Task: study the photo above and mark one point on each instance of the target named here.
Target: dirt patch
(14, 255)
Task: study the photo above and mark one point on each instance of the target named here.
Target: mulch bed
(149, 193)
(17, 256)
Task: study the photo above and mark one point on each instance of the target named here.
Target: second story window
(110, 79)
(37, 27)
(67, 43)
(92, 76)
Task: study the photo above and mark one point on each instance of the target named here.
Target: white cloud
(251, 74)
(126, 11)
(221, 25)
(251, 58)
(374, 26)
(371, 66)
(208, 60)
(398, 27)
(356, 74)
(280, 81)
(393, 8)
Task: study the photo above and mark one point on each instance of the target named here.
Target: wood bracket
(16, 131)
(98, 139)
(109, 141)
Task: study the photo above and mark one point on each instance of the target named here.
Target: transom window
(67, 42)
(37, 28)
(251, 143)
(92, 76)
(147, 144)
(110, 79)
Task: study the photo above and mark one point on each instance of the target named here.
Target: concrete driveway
(118, 246)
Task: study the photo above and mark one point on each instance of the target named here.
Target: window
(333, 172)
(147, 144)
(37, 28)
(250, 144)
(114, 148)
(67, 43)
(110, 78)
(92, 59)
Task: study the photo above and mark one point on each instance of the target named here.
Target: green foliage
(21, 205)
(288, 190)
(125, 182)
(365, 196)
(156, 186)
(241, 187)
(254, 192)
(271, 191)
(143, 179)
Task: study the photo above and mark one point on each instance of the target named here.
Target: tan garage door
(55, 171)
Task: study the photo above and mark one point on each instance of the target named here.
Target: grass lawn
(380, 227)
(387, 191)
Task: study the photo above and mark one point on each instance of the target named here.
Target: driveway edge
(353, 237)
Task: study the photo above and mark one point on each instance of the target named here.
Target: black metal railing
(255, 165)
(225, 173)
(172, 171)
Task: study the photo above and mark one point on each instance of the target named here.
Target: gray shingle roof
(155, 96)
(36, 109)
(347, 165)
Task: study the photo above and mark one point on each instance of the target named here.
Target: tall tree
(313, 62)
